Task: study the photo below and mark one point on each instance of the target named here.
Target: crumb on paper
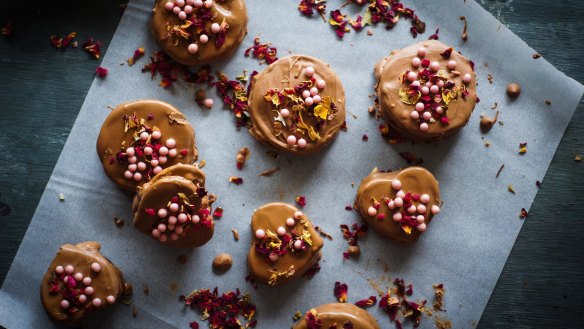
(235, 234)
(61, 197)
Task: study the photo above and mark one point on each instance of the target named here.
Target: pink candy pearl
(425, 90)
(398, 202)
(172, 153)
(69, 269)
(204, 38)
(154, 162)
(176, 10)
(309, 71)
(273, 257)
(162, 238)
(132, 159)
(412, 76)
(260, 234)
(429, 84)
(411, 209)
(130, 151)
(156, 170)
(451, 65)
(162, 213)
(400, 194)
(313, 91)
(128, 174)
(208, 3)
(178, 230)
(148, 150)
(439, 110)
(427, 115)
(420, 219)
(190, 2)
(96, 302)
(173, 236)
(420, 106)
(180, 3)
(170, 143)
(422, 52)
(421, 227)
(298, 244)
(78, 276)
(193, 48)
(156, 134)
(162, 151)
(306, 94)
(434, 66)
(65, 304)
(208, 102)
(317, 99)
(416, 61)
(466, 78)
(291, 140)
(421, 208)
(59, 269)
(182, 15)
(391, 204)
(137, 177)
(424, 127)
(372, 211)
(110, 299)
(281, 230)
(162, 159)
(168, 6)
(298, 214)
(215, 27)
(141, 166)
(195, 219)
(434, 89)
(182, 217)
(435, 209)
(425, 198)
(290, 222)
(82, 298)
(188, 9)
(308, 101)
(144, 135)
(89, 291)
(397, 216)
(396, 184)
(95, 267)
(321, 84)
(198, 3)
(174, 207)
(156, 233)
(415, 84)
(172, 220)
(284, 113)
(162, 227)
(302, 143)
(440, 83)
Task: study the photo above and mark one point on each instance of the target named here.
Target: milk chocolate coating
(339, 313)
(288, 72)
(107, 282)
(270, 217)
(158, 192)
(513, 90)
(378, 185)
(233, 11)
(397, 114)
(171, 122)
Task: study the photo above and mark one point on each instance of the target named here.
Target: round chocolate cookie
(196, 32)
(399, 204)
(80, 280)
(337, 315)
(138, 139)
(175, 208)
(284, 244)
(297, 105)
(426, 91)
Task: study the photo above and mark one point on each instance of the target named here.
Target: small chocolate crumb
(464, 34)
(536, 56)
(369, 32)
(499, 171)
(202, 164)
(235, 234)
(134, 312)
(269, 172)
(354, 251)
(490, 78)
(371, 110)
(487, 123)
(578, 158)
(548, 102)
(242, 156)
(146, 289)
(513, 90)
(119, 222)
(297, 316)
(182, 259)
(200, 96)
(222, 262)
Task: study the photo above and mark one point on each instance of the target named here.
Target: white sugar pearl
(176, 10)
(182, 15)
(137, 177)
(193, 48)
(174, 207)
(141, 166)
(439, 110)
(170, 143)
(155, 233)
(132, 167)
(309, 71)
(130, 151)
(412, 76)
(169, 5)
(154, 162)
(195, 219)
(156, 134)
(198, 3)
(82, 298)
(306, 93)
(425, 198)
(281, 230)
(298, 214)
(284, 113)
(415, 115)
(435, 209)
(434, 66)
(451, 64)
(204, 38)
(172, 220)
(172, 153)
(411, 209)
(400, 194)
(424, 127)
(156, 170)
(321, 84)
(298, 244)
(95, 267)
(422, 52)
(425, 90)
(78, 276)
(132, 159)
(208, 3)
(162, 213)
(273, 257)
(420, 106)
(162, 159)
(434, 89)
(59, 269)
(88, 291)
(427, 115)
(421, 209)
(290, 222)
(110, 299)
(317, 99)
(144, 135)
(180, 3)
(308, 101)
(162, 238)
(397, 216)
(313, 91)
(396, 184)
(188, 10)
(372, 211)
(398, 202)
(420, 218)
(415, 84)
(148, 150)
(421, 227)
(215, 28)
(69, 269)
(179, 230)
(182, 217)
(65, 304)
(260, 234)
(291, 140)
(416, 61)
(391, 204)
(96, 302)
(302, 143)
(466, 78)
(163, 151)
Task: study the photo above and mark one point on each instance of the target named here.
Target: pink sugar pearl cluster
(77, 289)
(414, 214)
(158, 154)
(174, 219)
(182, 8)
(281, 231)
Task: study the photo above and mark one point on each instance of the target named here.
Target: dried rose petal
(101, 72)
(301, 200)
(340, 291)
(92, 48)
(138, 53)
(262, 51)
(364, 303)
(7, 29)
(236, 180)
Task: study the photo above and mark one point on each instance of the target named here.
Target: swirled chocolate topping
(139, 139)
(426, 91)
(337, 315)
(297, 105)
(284, 244)
(80, 280)
(399, 204)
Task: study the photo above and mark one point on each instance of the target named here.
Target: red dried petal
(101, 72)
(150, 211)
(301, 200)
(7, 29)
(340, 291)
(92, 48)
(364, 303)
(262, 51)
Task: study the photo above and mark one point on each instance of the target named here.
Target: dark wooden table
(42, 89)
